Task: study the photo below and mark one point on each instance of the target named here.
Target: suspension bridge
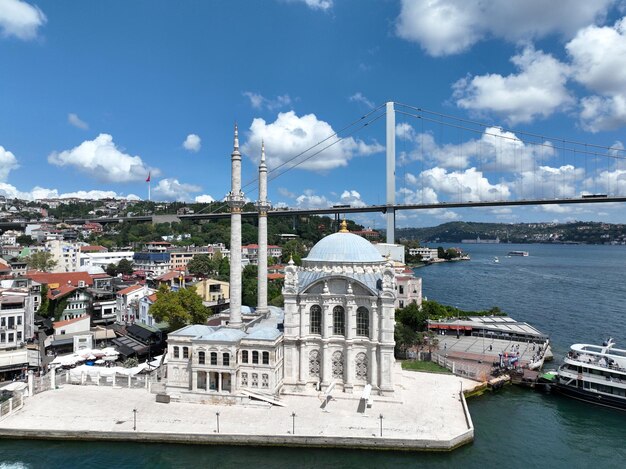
(450, 162)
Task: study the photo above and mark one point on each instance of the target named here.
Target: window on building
(176, 352)
(226, 359)
(362, 321)
(213, 358)
(19, 320)
(337, 363)
(11, 336)
(3, 322)
(201, 358)
(19, 335)
(401, 289)
(266, 358)
(401, 304)
(185, 352)
(316, 319)
(255, 380)
(255, 357)
(3, 337)
(11, 322)
(244, 356)
(314, 363)
(265, 381)
(244, 379)
(339, 320)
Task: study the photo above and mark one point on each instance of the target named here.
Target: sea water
(573, 293)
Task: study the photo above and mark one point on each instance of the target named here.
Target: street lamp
(293, 423)
(381, 424)
(217, 416)
(134, 419)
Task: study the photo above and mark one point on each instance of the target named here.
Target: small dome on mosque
(344, 247)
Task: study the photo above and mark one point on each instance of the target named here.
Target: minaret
(235, 201)
(263, 206)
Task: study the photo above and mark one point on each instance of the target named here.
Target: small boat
(496, 260)
(595, 374)
(518, 253)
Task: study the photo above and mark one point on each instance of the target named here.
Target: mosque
(336, 331)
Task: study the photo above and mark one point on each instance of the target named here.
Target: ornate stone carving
(314, 363)
(337, 363)
(361, 367)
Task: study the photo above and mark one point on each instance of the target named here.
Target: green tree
(111, 269)
(293, 248)
(223, 271)
(405, 337)
(179, 308)
(43, 306)
(413, 317)
(249, 285)
(25, 240)
(41, 260)
(202, 265)
(125, 267)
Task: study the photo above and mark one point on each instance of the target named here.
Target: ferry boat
(594, 374)
(518, 253)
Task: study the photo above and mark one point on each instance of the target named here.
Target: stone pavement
(427, 412)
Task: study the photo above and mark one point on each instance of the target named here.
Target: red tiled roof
(62, 278)
(275, 276)
(63, 290)
(127, 290)
(152, 297)
(58, 324)
(93, 249)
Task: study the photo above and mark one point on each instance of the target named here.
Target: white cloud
(192, 143)
(467, 186)
(598, 55)
(286, 193)
(172, 189)
(495, 150)
(20, 19)
(101, 159)
(311, 200)
(359, 98)
(76, 121)
(8, 162)
(37, 193)
(323, 5)
(290, 135)
(538, 90)
(204, 199)
(258, 101)
(548, 182)
(444, 27)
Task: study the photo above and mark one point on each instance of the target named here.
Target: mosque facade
(336, 330)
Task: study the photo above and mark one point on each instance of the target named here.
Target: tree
(125, 267)
(41, 260)
(223, 271)
(202, 265)
(43, 306)
(249, 285)
(25, 240)
(413, 317)
(293, 249)
(111, 269)
(179, 308)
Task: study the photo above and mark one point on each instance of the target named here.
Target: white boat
(518, 253)
(496, 260)
(595, 374)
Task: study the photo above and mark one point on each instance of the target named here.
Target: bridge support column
(391, 172)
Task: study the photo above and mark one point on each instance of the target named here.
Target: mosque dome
(344, 247)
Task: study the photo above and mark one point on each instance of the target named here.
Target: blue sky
(95, 95)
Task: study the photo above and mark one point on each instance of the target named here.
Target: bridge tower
(391, 172)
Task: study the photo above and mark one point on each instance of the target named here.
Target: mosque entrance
(202, 380)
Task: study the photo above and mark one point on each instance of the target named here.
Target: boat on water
(518, 253)
(595, 374)
(496, 260)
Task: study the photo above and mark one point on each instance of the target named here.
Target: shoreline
(428, 413)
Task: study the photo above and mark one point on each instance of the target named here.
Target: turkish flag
(148, 179)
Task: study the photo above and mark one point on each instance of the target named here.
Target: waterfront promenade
(427, 413)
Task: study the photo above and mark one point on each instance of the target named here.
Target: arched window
(362, 321)
(244, 356)
(213, 358)
(266, 358)
(201, 358)
(361, 367)
(339, 320)
(255, 357)
(338, 365)
(316, 319)
(226, 359)
(314, 363)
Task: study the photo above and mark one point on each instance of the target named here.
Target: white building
(65, 253)
(103, 259)
(428, 254)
